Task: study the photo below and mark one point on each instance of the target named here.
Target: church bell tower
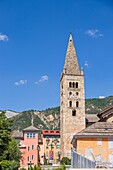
(72, 102)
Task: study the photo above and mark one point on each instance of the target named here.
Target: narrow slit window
(77, 104)
(28, 158)
(76, 84)
(69, 84)
(70, 103)
(73, 112)
(73, 84)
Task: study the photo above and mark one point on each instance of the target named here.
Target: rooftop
(17, 134)
(31, 128)
(108, 111)
(51, 132)
(92, 118)
(102, 129)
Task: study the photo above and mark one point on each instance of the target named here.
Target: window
(27, 135)
(58, 153)
(70, 103)
(28, 148)
(32, 147)
(76, 85)
(73, 84)
(32, 157)
(76, 93)
(99, 142)
(69, 84)
(73, 112)
(28, 158)
(70, 93)
(58, 146)
(30, 135)
(110, 143)
(77, 104)
(33, 135)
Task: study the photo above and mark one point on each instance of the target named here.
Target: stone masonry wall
(70, 125)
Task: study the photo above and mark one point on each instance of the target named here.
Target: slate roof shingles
(97, 129)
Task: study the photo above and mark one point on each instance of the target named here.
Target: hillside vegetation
(50, 118)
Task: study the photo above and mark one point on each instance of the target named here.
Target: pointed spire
(71, 65)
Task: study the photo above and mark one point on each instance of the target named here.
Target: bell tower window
(70, 103)
(70, 93)
(73, 85)
(73, 112)
(76, 84)
(77, 104)
(76, 93)
(69, 84)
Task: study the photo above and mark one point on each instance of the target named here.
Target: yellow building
(51, 146)
(96, 142)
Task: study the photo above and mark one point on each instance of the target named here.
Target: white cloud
(20, 83)
(94, 33)
(3, 37)
(101, 97)
(86, 64)
(42, 79)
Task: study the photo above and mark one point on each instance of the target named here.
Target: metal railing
(79, 161)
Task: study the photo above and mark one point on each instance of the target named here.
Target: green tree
(5, 130)
(65, 161)
(13, 152)
(9, 152)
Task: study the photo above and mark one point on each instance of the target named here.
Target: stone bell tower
(72, 102)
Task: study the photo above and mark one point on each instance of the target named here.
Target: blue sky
(33, 42)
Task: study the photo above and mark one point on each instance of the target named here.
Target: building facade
(28, 145)
(38, 150)
(72, 102)
(51, 146)
(96, 143)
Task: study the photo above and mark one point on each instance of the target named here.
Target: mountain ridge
(50, 118)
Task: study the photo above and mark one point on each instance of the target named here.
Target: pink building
(28, 144)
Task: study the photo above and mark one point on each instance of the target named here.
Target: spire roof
(71, 65)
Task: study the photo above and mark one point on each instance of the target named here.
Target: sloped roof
(102, 129)
(92, 118)
(17, 134)
(108, 111)
(31, 128)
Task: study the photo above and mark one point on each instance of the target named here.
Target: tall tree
(5, 129)
(9, 151)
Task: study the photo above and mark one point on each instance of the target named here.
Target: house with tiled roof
(96, 141)
(28, 145)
